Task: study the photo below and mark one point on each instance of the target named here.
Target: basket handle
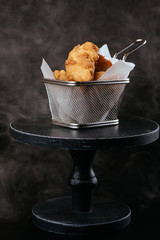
(131, 48)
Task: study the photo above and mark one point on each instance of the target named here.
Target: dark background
(30, 30)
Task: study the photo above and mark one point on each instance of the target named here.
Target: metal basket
(84, 104)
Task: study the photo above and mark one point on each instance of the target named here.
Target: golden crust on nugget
(102, 64)
(62, 75)
(81, 62)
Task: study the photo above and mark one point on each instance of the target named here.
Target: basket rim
(85, 83)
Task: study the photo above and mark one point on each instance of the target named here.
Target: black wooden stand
(83, 181)
(79, 214)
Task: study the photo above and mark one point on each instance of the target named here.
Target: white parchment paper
(119, 69)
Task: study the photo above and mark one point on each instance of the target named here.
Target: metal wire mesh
(84, 105)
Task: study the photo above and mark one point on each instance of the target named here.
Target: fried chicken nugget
(102, 64)
(80, 64)
(62, 75)
(98, 75)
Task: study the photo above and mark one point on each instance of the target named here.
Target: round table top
(39, 131)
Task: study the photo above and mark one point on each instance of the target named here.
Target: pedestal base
(56, 216)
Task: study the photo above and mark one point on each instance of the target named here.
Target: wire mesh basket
(85, 104)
